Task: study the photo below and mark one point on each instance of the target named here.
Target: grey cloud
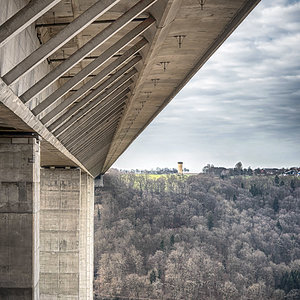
(243, 104)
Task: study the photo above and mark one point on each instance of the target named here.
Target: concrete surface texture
(86, 238)
(66, 234)
(46, 226)
(19, 218)
(61, 78)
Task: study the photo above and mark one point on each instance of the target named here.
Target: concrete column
(86, 261)
(66, 234)
(91, 194)
(60, 233)
(19, 218)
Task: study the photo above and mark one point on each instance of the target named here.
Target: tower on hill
(180, 170)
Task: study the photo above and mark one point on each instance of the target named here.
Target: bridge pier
(46, 226)
(86, 241)
(59, 233)
(66, 234)
(19, 218)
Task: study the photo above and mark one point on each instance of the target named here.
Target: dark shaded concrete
(19, 218)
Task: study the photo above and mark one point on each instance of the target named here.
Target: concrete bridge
(80, 80)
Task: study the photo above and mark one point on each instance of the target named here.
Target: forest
(197, 237)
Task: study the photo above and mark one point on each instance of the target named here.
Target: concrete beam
(23, 18)
(107, 121)
(89, 47)
(104, 137)
(99, 159)
(80, 135)
(60, 24)
(94, 65)
(93, 146)
(101, 123)
(91, 134)
(96, 160)
(91, 83)
(80, 124)
(66, 34)
(111, 92)
(97, 163)
(87, 135)
(104, 108)
(104, 141)
(101, 136)
(66, 103)
(107, 137)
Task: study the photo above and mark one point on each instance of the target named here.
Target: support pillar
(19, 218)
(66, 234)
(59, 234)
(86, 238)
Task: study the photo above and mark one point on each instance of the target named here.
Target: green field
(156, 176)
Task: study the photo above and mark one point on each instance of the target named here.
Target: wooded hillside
(197, 237)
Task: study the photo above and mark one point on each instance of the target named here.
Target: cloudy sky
(243, 105)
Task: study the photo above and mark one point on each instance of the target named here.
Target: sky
(242, 105)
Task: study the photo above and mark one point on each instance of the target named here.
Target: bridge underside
(88, 76)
